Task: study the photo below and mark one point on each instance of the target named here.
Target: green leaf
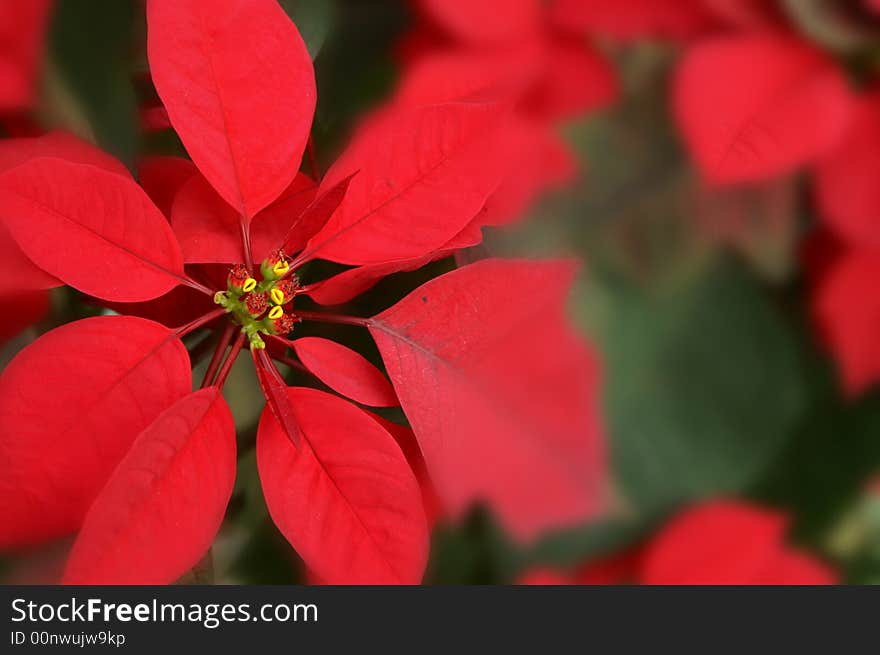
(314, 19)
(90, 74)
(704, 386)
(835, 451)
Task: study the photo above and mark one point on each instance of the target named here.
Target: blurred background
(728, 391)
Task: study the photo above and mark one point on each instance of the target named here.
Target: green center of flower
(259, 306)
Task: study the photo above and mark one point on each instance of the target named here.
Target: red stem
(198, 286)
(192, 326)
(230, 360)
(222, 344)
(334, 318)
(269, 367)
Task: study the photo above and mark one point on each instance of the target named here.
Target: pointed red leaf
(486, 21)
(846, 179)
(727, 542)
(208, 228)
(753, 107)
(277, 398)
(164, 503)
(629, 20)
(500, 392)
(345, 371)
(353, 282)
(94, 230)
(310, 221)
(422, 174)
(17, 272)
(347, 500)
(239, 87)
(19, 310)
(71, 404)
(162, 177)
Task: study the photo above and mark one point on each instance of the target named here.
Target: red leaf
(486, 21)
(162, 177)
(164, 503)
(795, 568)
(500, 392)
(847, 192)
(239, 87)
(17, 272)
(629, 20)
(94, 230)
(725, 542)
(208, 228)
(22, 36)
(315, 216)
(345, 371)
(347, 500)
(753, 107)
(353, 282)
(71, 404)
(422, 174)
(19, 310)
(846, 308)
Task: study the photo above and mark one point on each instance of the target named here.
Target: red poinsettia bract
(844, 302)
(510, 52)
(720, 542)
(100, 431)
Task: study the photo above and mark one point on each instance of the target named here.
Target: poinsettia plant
(101, 432)
(258, 322)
